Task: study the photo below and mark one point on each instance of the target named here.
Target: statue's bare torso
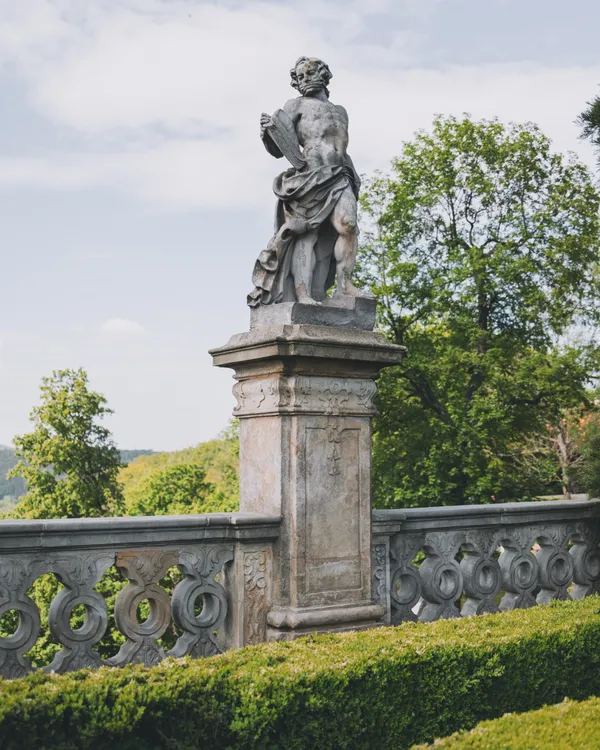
(322, 129)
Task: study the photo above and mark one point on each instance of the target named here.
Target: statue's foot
(349, 290)
(306, 300)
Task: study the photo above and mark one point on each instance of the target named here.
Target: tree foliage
(201, 479)
(588, 443)
(589, 121)
(69, 460)
(482, 246)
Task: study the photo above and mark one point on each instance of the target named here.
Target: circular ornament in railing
(586, 568)
(519, 577)
(126, 611)
(442, 583)
(198, 639)
(78, 641)
(406, 587)
(482, 581)
(556, 573)
(13, 647)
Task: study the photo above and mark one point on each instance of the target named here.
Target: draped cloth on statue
(305, 202)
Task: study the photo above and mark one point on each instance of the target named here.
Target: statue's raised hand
(265, 122)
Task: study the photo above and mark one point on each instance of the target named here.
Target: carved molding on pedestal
(305, 395)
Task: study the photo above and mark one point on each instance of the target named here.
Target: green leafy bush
(386, 688)
(569, 724)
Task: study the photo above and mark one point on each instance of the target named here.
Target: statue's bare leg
(344, 220)
(303, 266)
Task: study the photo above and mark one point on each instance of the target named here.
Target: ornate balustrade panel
(79, 552)
(431, 563)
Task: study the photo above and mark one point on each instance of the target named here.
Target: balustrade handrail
(489, 514)
(133, 531)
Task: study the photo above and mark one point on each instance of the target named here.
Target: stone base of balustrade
(287, 624)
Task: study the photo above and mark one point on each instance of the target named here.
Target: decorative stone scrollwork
(143, 569)
(78, 575)
(16, 575)
(585, 553)
(256, 596)
(519, 568)
(201, 568)
(481, 573)
(555, 565)
(441, 577)
(335, 395)
(366, 393)
(379, 565)
(334, 457)
(405, 579)
(305, 394)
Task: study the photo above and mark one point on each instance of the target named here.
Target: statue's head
(310, 75)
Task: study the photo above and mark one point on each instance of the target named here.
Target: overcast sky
(135, 193)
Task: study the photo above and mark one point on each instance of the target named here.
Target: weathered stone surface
(316, 235)
(342, 312)
(543, 548)
(305, 398)
(307, 350)
(79, 551)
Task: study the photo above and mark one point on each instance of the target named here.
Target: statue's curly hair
(325, 74)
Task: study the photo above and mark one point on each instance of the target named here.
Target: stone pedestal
(305, 398)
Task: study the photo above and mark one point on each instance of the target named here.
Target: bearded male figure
(316, 234)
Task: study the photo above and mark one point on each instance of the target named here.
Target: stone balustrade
(221, 601)
(431, 563)
(427, 563)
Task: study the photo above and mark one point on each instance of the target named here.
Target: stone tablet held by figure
(316, 234)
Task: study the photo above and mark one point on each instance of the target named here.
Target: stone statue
(316, 235)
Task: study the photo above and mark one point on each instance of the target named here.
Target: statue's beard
(310, 87)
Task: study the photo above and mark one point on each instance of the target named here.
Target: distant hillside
(15, 488)
(9, 487)
(128, 456)
(218, 458)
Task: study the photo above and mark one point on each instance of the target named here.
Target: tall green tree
(589, 121)
(69, 460)
(482, 246)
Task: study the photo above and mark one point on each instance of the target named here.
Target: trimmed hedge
(567, 725)
(386, 688)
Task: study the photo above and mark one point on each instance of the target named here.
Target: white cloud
(121, 326)
(166, 95)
